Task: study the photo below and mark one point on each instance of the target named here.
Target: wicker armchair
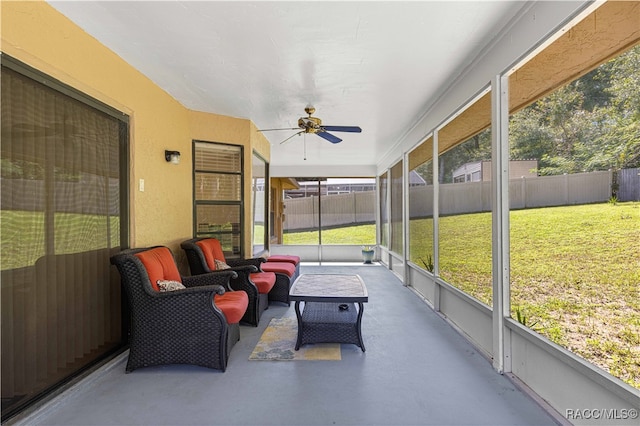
(249, 278)
(185, 326)
(286, 272)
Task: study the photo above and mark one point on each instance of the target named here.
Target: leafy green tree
(590, 124)
(623, 133)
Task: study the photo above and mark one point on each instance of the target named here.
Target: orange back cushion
(212, 251)
(160, 265)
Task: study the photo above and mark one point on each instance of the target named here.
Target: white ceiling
(378, 65)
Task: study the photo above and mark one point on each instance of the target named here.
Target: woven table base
(326, 322)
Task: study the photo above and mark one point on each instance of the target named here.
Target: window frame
(239, 232)
(267, 191)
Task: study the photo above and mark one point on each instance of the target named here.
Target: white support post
(500, 221)
(378, 215)
(389, 227)
(405, 219)
(436, 222)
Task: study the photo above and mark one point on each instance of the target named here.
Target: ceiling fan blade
(295, 134)
(270, 130)
(329, 137)
(352, 129)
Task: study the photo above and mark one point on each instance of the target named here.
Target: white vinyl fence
(337, 210)
(70, 197)
(524, 193)
(455, 198)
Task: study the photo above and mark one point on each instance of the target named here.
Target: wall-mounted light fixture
(172, 156)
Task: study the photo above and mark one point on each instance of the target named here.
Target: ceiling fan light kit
(314, 125)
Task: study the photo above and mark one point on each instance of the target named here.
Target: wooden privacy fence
(456, 198)
(629, 185)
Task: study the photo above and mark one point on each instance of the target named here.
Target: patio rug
(278, 343)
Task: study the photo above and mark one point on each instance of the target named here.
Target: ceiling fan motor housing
(310, 124)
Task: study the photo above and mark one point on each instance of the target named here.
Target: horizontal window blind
(218, 194)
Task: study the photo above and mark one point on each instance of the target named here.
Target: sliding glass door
(63, 214)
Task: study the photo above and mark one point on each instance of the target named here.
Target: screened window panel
(259, 190)
(302, 217)
(60, 222)
(420, 197)
(218, 218)
(347, 213)
(221, 222)
(574, 239)
(384, 215)
(331, 211)
(216, 186)
(464, 231)
(396, 209)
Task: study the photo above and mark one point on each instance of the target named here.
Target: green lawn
(23, 235)
(575, 273)
(360, 235)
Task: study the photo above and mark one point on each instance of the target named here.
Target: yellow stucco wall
(38, 35)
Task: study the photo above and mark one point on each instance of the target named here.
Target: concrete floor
(416, 371)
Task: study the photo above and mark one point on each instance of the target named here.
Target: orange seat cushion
(284, 258)
(160, 265)
(279, 267)
(264, 281)
(233, 305)
(212, 251)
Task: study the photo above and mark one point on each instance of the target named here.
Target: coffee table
(330, 313)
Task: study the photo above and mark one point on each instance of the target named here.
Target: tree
(623, 133)
(589, 124)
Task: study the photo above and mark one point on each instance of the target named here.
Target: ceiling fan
(314, 125)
